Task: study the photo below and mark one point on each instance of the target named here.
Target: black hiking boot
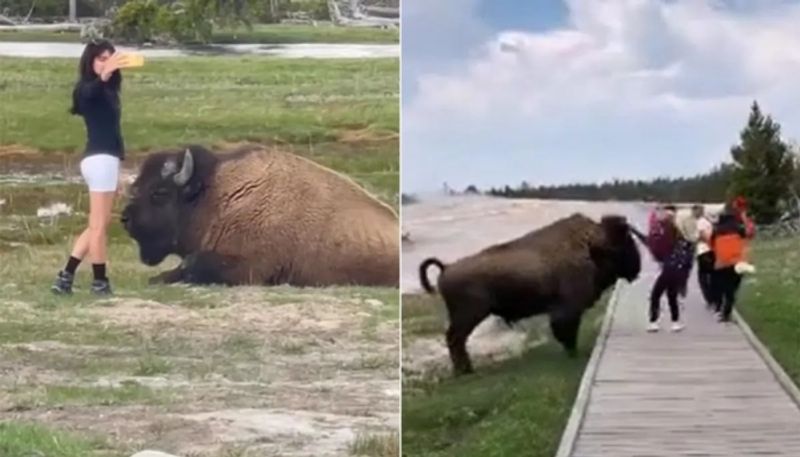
(101, 287)
(63, 283)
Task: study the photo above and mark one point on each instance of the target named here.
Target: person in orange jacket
(729, 244)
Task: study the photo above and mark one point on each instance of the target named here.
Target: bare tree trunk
(30, 12)
(273, 10)
(73, 17)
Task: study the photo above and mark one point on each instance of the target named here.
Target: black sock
(99, 270)
(72, 265)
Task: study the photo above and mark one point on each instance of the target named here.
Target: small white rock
(54, 210)
(153, 454)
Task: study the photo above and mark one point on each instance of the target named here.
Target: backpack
(659, 240)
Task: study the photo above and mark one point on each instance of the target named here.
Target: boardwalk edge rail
(777, 370)
(570, 434)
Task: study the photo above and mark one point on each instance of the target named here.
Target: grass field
(190, 370)
(19, 440)
(343, 114)
(769, 301)
(260, 33)
(517, 406)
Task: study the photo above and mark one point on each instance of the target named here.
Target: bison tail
(423, 273)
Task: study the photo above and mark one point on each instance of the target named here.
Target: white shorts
(101, 172)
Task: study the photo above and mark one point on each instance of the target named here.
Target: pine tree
(764, 167)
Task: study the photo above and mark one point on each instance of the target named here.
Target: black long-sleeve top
(100, 108)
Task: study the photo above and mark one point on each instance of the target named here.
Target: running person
(728, 241)
(668, 249)
(705, 256)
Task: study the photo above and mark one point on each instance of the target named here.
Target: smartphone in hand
(130, 60)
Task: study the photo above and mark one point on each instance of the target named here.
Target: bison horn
(182, 177)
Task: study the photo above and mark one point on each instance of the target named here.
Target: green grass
(341, 114)
(29, 440)
(323, 33)
(375, 445)
(515, 407)
(126, 394)
(260, 33)
(422, 316)
(769, 301)
(45, 328)
(151, 366)
(207, 100)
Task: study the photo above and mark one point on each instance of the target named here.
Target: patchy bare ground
(276, 373)
(425, 354)
(196, 371)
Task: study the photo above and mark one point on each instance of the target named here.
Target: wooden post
(73, 11)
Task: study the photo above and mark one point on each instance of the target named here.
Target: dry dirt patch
(295, 373)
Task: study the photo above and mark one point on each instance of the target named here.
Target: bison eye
(159, 195)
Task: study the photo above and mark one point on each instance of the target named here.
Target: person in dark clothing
(705, 256)
(673, 270)
(95, 97)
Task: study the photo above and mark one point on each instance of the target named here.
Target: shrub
(137, 21)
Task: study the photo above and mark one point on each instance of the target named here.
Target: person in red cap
(739, 205)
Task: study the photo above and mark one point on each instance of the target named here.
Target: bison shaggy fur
(258, 215)
(559, 270)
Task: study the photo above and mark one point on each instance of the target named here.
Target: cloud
(621, 81)
(444, 29)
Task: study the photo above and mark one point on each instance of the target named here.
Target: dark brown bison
(560, 269)
(255, 215)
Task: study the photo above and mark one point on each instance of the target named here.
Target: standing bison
(259, 216)
(560, 269)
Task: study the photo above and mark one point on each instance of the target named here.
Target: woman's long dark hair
(86, 70)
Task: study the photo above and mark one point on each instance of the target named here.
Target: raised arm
(641, 236)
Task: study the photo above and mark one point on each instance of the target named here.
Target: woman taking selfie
(96, 99)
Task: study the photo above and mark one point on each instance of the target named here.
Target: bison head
(617, 253)
(160, 198)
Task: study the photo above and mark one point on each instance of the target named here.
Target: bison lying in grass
(259, 216)
(561, 270)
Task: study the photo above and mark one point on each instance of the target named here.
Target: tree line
(162, 21)
(763, 168)
(703, 188)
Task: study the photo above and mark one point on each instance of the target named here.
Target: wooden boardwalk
(705, 391)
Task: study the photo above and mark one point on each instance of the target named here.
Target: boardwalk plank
(702, 392)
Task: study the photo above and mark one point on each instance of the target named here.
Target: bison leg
(167, 277)
(577, 294)
(565, 328)
(200, 268)
(463, 320)
(205, 268)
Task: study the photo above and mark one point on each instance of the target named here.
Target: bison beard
(561, 270)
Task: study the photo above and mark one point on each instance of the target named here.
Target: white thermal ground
(451, 227)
